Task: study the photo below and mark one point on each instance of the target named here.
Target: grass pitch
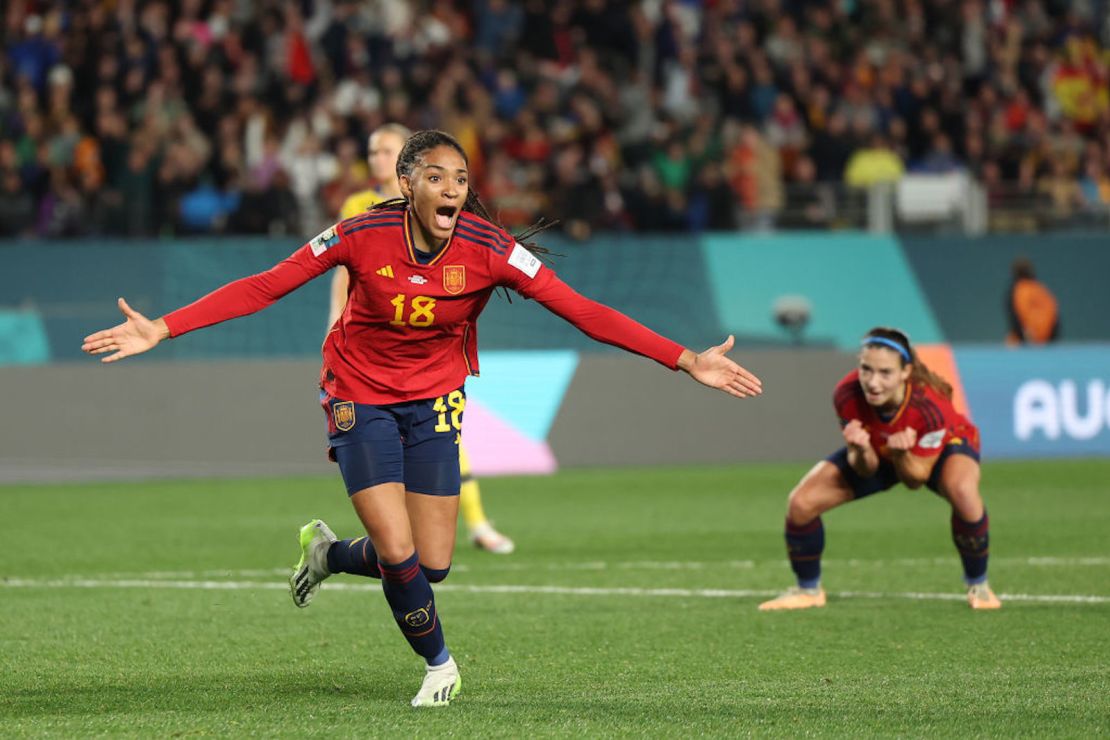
(629, 609)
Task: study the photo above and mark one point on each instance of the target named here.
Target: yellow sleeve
(357, 203)
(350, 207)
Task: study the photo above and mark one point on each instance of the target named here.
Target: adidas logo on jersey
(386, 271)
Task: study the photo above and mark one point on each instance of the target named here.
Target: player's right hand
(856, 435)
(714, 369)
(133, 337)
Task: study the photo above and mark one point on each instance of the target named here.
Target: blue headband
(889, 343)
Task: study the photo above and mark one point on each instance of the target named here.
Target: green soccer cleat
(441, 685)
(312, 568)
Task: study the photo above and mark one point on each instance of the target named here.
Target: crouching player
(899, 425)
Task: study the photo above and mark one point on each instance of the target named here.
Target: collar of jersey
(412, 248)
(905, 402)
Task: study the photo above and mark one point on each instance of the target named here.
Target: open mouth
(445, 216)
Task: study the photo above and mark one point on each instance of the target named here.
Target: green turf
(102, 658)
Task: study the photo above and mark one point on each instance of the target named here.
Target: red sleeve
(524, 273)
(251, 294)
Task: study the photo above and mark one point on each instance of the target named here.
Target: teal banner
(693, 289)
(1039, 402)
(23, 338)
(851, 281)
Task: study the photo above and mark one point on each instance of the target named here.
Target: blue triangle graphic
(524, 389)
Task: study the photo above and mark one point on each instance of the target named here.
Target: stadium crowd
(144, 118)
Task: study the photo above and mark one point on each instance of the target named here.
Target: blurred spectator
(939, 159)
(499, 23)
(652, 207)
(136, 188)
(874, 164)
(1095, 185)
(832, 149)
(507, 193)
(712, 202)
(756, 178)
(1031, 308)
(576, 195)
(159, 117)
(36, 51)
(1065, 197)
(786, 131)
(808, 204)
(673, 165)
(17, 208)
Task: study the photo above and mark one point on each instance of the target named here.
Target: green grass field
(160, 609)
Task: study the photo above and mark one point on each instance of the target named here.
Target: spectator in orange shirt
(1033, 314)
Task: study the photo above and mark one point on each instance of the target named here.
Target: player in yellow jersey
(384, 146)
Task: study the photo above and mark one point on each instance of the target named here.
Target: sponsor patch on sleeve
(932, 440)
(324, 241)
(524, 261)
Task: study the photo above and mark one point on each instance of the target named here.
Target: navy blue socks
(973, 543)
(804, 545)
(806, 542)
(356, 557)
(410, 597)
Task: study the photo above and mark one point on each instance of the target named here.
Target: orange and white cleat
(980, 596)
(795, 598)
(485, 537)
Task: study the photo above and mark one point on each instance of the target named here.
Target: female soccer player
(383, 148)
(422, 269)
(898, 425)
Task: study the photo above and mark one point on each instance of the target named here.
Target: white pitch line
(526, 589)
(600, 565)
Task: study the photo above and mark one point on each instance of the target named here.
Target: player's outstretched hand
(133, 337)
(714, 369)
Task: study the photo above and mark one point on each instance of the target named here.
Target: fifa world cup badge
(454, 278)
(323, 241)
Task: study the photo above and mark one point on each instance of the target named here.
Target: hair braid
(412, 156)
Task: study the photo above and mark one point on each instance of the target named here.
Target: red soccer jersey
(408, 331)
(938, 424)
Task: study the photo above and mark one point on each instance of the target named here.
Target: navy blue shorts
(885, 477)
(415, 443)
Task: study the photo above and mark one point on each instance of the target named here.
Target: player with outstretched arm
(899, 425)
(383, 147)
(422, 268)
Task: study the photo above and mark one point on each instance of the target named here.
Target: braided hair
(882, 336)
(412, 156)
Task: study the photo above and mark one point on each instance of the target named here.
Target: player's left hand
(714, 369)
(903, 440)
(133, 337)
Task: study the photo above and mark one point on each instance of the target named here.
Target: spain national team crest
(418, 618)
(454, 278)
(344, 415)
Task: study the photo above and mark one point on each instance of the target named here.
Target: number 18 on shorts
(415, 443)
